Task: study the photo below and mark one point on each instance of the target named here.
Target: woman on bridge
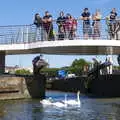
(39, 27)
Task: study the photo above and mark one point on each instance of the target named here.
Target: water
(90, 109)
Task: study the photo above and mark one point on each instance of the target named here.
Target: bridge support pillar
(2, 62)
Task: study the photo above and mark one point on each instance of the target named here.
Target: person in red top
(70, 26)
(74, 28)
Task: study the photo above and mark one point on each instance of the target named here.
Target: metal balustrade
(16, 34)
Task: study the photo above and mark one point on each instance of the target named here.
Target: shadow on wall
(36, 86)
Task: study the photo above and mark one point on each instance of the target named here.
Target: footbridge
(27, 39)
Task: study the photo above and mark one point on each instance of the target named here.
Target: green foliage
(50, 72)
(22, 72)
(78, 65)
(116, 67)
(77, 68)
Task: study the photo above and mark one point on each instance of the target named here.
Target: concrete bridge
(26, 39)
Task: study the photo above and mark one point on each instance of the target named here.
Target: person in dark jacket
(38, 63)
(38, 20)
(112, 18)
(61, 26)
(85, 16)
(48, 25)
(39, 27)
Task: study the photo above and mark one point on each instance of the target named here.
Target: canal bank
(67, 85)
(21, 87)
(103, 86)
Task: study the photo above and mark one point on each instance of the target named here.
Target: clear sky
(15, 12)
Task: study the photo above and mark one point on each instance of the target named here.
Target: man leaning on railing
(112, 23)
(48, 25)
(85, 16)
(61, 26)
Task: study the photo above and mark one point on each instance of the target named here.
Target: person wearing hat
(85, 16)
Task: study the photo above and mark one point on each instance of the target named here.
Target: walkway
(26, 39)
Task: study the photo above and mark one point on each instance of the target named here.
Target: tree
(78, 65)
(22, 72)
(50, 72)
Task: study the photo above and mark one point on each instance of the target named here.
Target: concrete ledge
(19, 87)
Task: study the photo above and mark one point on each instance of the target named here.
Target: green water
(90, 109)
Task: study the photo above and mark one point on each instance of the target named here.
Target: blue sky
(15, 12)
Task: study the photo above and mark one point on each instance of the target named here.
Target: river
(90, 109)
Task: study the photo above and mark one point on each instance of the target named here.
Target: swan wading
(46, 101)
(49, 101)
(73, 102)
(64, 103)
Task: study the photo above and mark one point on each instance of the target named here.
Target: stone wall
(18, 87)
(106, 86)
(68, 85)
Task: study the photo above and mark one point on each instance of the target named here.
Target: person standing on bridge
(61, 26)
(48, 25)
(70, 27)
(112, 23)
(96, 24)
(85, 16)
(39, 27)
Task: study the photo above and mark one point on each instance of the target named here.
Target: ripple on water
(90, 109)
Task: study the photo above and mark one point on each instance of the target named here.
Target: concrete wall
(68, 85)
(106, 86)
(18, 87)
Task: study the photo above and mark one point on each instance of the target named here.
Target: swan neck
(78, 98)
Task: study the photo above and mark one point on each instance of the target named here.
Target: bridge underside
(72, 50)
(65, 47)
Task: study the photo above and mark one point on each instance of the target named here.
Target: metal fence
(16, 34)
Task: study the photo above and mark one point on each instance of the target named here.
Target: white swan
(46, 101)
(74, 102)
(49, 101)
(59, 104)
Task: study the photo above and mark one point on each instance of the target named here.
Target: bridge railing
(98, 32)
(16, 34)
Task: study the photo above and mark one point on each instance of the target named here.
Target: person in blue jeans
(61, 25)
(112, 18)
(85, 16)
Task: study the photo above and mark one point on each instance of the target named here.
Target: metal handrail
(16, 34)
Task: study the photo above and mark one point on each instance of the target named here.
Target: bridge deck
(27, 39)
(76, 47)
